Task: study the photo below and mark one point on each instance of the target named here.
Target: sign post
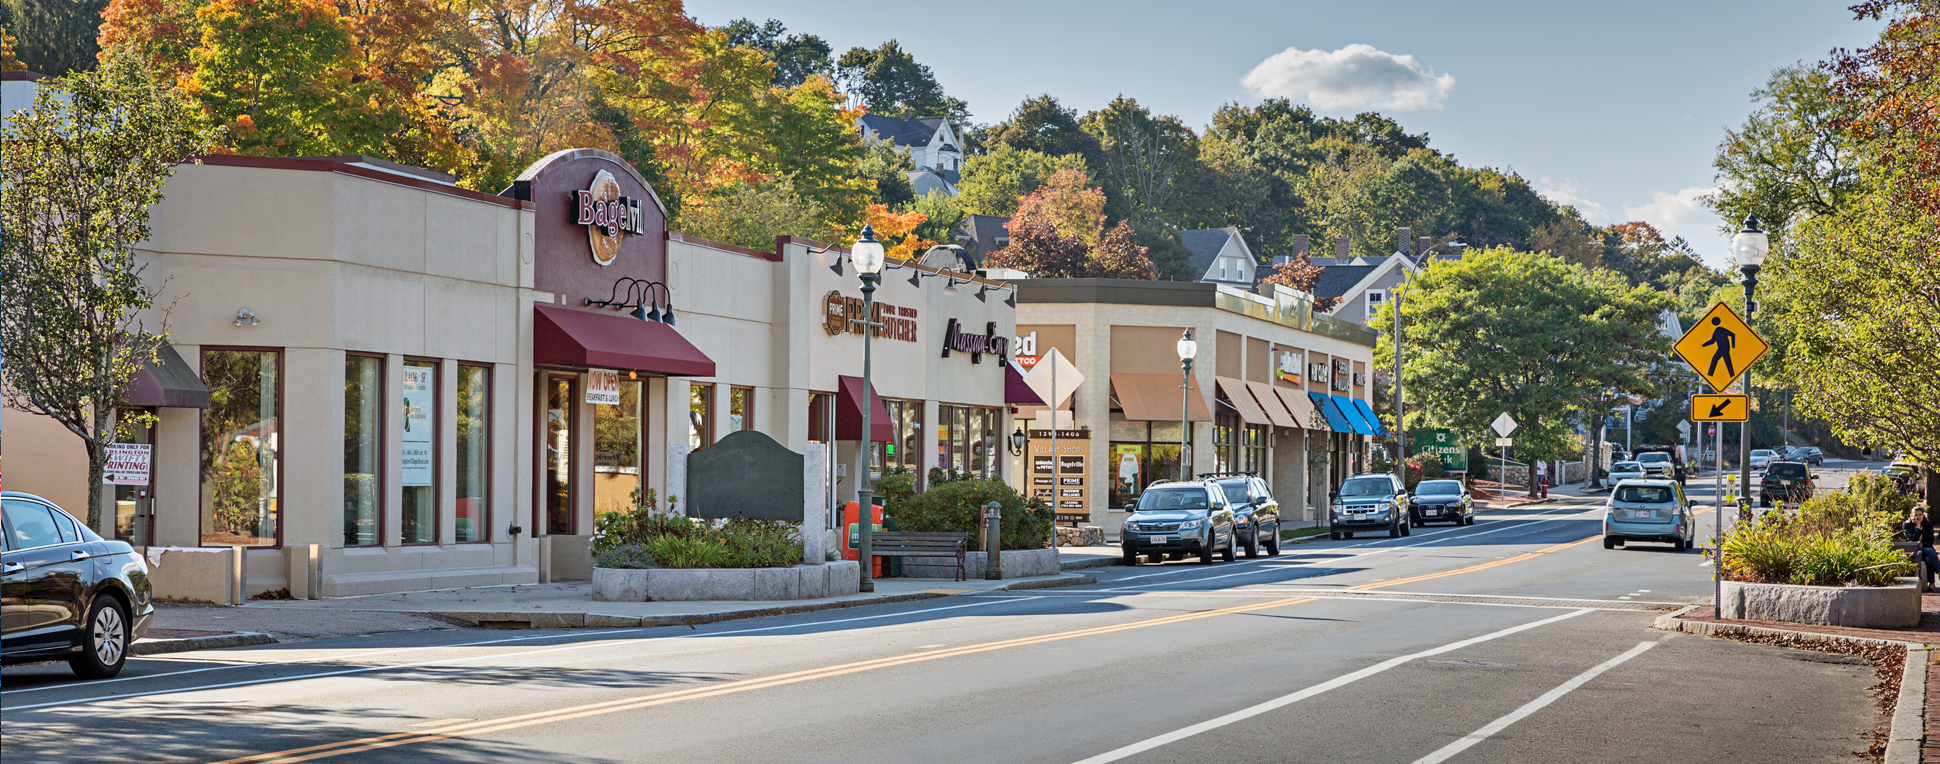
(1503, 425)
(1721, 337)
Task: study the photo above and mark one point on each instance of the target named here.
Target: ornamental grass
(1836, 539)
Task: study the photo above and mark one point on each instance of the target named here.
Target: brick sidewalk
(1927, 633)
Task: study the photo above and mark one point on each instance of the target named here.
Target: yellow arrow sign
(1720, 408)
(1720, 347)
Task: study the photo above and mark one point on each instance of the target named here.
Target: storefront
(1272, 387)
(421, 386)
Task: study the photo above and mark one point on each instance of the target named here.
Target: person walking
(1919, 527)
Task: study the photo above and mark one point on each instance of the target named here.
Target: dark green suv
(1256, 514)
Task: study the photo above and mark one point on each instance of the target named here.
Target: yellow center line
(327, 750)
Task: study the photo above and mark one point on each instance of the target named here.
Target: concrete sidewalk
(569, 604)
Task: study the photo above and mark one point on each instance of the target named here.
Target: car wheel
(1131, 557)
(1206, 554)
(1678, 545)
(1609, 542)
(1394, 530)
(104, 642)
(1273, 542)
(1253, 544)
(1226, 555)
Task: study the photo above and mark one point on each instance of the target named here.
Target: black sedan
(1443, 501)
(66, 594)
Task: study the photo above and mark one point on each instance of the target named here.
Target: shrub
(1878, 493)
(957, 507)
(1423, 467)
(631, 557)
(896, 487)
(672, 541)
(1836, 540)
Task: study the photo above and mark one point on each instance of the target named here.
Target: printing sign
(128, 464)
(607, 216)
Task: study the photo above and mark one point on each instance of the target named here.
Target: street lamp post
(1749, 248)
(1188, 349)
(867, 255)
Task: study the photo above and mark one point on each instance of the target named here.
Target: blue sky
(1616, 108)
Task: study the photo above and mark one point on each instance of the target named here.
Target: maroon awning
(166, 381)
(848, 413)
(566, 337)
(1016, 392)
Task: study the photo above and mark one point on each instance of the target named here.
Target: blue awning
(1367, 413)
(1335, 419)
(1352, 413)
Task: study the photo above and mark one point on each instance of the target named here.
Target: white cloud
(1569, 193)
(1355, 78)
(1682, 213)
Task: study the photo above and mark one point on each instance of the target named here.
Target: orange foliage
(893, 229)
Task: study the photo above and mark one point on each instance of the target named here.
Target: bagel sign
(607, 215)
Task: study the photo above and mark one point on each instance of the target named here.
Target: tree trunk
(97, 462)
(1932, 487)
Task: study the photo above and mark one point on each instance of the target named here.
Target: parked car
(1785, 481)
(1903, 474)
(1661, 462)
(65, 592)
(1622, 471)
(1810, 455)
(1373, 501)
(1178, 518)
(1437, 501)
(1256, 514)
(1648, 510)
(1761, 457)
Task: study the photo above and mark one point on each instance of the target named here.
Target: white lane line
(1379, 550)
(580, 646)
(1331, 684)
(1531, 707)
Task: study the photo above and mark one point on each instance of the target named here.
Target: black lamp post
(1188, 349)
(1749, 248)
(867, 255)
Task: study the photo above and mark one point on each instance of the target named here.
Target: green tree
(942, 216)
(1792, 158)
(1523, 333)
(1144, 158)
(796, 57)
(888, 167)
(1043, 125)
(993, 182)
(57, 36)
(752, 214)
(1164, 248)
(890, 80)
(276, 73)
(79, 174)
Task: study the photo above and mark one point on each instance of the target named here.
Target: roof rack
(1204, 475)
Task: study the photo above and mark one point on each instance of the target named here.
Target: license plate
(1159, 539)
(1432, 512)
(1640, 513)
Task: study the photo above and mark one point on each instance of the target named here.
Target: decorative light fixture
(1017, 441)
(641, 298)
(1188, 349)
(246, 317)
(980, 293)
(916, 278)
(1011, 299)
(951, 287)
(868, 256)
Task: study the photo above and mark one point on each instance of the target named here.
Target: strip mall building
(399, 383)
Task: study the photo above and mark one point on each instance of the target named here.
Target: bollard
(992, 541)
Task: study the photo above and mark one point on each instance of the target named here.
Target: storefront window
(700, 417)
(1253, 449)
(1226, 434)
(966, 439)
(1141, 453)
(241, 434)
(363, 444)
(474, 452)
(558, 455)
(616, 461)
(420, 453)
(904, 446)
(740, 409)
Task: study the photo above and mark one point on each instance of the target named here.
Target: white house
(1220, 256)
(933, 144)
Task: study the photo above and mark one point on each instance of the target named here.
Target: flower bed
(1832, 563)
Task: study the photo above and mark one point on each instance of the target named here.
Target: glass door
(134, 501)
(557, 459)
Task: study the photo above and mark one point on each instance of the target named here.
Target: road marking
(577, 646)
(436, 722)
(1531, 707)
(328, 750)
(1291, 698)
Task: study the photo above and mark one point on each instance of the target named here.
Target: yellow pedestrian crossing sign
(1720, 347)
(1720, 408)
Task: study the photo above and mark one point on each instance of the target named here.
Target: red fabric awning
(1016, 391)
(848, 413)
(565, 337)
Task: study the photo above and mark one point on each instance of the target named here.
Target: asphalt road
(1518, 639)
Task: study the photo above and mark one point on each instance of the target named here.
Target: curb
(1089, 562)
(577, 620)
(1908, 733)
(211, 642)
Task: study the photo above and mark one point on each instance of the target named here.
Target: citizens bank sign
(607, 215)
(955, 338)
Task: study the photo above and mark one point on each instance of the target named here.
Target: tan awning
(1151, 397)
(1276, 409)
(1302, 408)
(1242, 400)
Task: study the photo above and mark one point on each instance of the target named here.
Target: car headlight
(1191, 524)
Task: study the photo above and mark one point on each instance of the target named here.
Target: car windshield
(1644, 494)
(1626, 467)
(1786, 470)
(1763, 452)
(1654, 456)
(1439, 488)
(1234, 489)
(1367, 487)
(1173, 498)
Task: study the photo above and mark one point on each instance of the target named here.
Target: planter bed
(1015, 563)
(1865, 607)
(801, 582)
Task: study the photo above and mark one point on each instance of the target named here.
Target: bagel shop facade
(378, 381)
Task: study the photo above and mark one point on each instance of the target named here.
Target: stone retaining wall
(1016, 563)
(801, 582)
(1869, 607)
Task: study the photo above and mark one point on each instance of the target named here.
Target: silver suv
(1178, 519)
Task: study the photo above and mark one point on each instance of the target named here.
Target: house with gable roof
(934, 148)
(1220, 256)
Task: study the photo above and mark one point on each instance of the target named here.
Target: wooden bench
(912, 544)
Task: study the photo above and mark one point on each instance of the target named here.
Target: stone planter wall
(802, 582)
(1866, 607)
(1016, 563)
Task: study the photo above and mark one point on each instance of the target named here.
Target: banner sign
(603, 387)
(420, 399)
(128, 464)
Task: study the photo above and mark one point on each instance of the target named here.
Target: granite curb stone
(209, 642)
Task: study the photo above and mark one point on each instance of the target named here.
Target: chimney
(908, 112)
(1341, 248)
(1426, 242)
(1300, 244)
(1402, 243)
